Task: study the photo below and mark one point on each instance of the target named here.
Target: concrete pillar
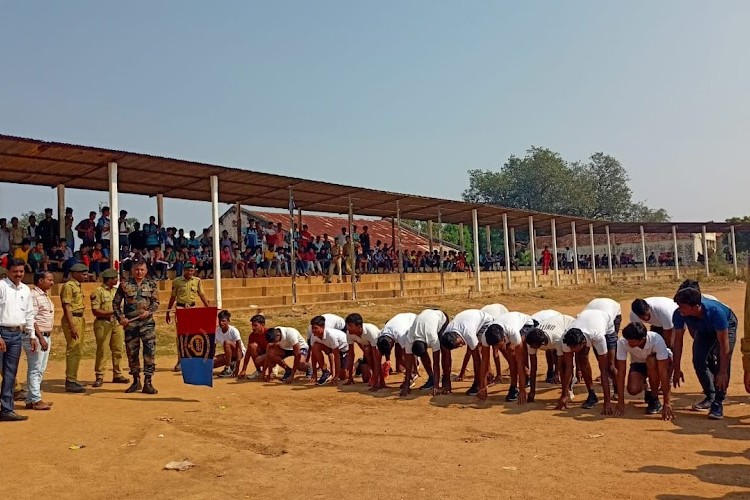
(675, 254)
(292, 253)
(477, 271)
(513, 242)
(431, 246)
(555, 262)
(114, 211)
(643, 251)
(61, 211)
(734, 251)
(506, 244)
(575, 251)
(461, 242)
(593, 248)
(440, 250)
(532, 250)
(159, 210)
(705, 250)
(216, 236)
(609, 254)
(488, 238)
(352, 255)
(399, 251)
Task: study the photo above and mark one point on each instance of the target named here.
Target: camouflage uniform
(130, 301)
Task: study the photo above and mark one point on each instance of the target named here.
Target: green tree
(23, 221)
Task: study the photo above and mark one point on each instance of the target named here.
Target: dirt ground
(264, 440)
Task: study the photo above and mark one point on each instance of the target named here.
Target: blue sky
(402, 96)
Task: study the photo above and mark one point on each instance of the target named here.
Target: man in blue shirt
(713, 327)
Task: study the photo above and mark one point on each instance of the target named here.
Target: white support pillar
(705, 250)
(593, 248)
(553, 225)
(488, 238)
(506, 244)
(461, 241)
(609, 254)
(675, 255)
(159, 210)
(352, 255)
(643, 252)
(216, 235)
(575, 251)
(441, 260)
(532, 250)
(61, 210)
(734, 250)
(399, 251)
(114, 211)
(292, 253)
(431, 246)
(477, 272)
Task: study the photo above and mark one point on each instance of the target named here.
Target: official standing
(44, 313)
(107, 332)
(186, 289)
(16, 321)
(71, 297)
(135, 303)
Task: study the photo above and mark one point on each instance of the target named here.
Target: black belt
(78, 315)
(183, 304)
(12, 328)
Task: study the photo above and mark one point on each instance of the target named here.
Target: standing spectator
(341, 238)
(44, 313)
(31, 229)
(151, 230)
(225, 241)
(269, 234)
(305, 236)
(180, 241)
(16, 235)
(251, 238)
(124, 230)
(49, 230)
(104, 228)
(194, 242)
(16, 319)
(364, 240)
(546, 259)
(137, 238)
(280, 236)
(206, 239)
(69, 228)
(4, 237)
(86, 230)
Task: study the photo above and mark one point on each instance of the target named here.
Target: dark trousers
(9, 366)
(706, 359)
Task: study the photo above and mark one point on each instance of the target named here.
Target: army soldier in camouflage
(107, 332)
(185, 291)
(135, 303)
(73, 325)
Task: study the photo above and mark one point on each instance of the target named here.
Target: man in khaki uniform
(186, 289)
(71, 297)
(106, 330)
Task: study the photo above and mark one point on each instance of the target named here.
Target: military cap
(189, 265)
(79, 268)
(109, 273)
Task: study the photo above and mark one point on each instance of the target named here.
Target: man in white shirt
(234, 349)
(425, 333)
(332, 321)
(552, 370)
(588, 331)
(331, 342)
(515, 326)
(394, 334)
(467, 329)
(649, 357)
(364, 335)
(494, 310)
(658, 313)
(570, 257)
(16, 322)
(546, 336)
(284, 342)
(613, 309)
(44, 313)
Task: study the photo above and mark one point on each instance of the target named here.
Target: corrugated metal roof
(37, 162)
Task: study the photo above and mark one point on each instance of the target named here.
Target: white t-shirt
(231, 335)
(594, 324)
(370, 334)
(495, 310)
(555, 328)
(512, 324)
(662, 311)
(654, 345)
(291, 337)
(425, 329)
(332, 321)
(397, 328)
(544, 315)
(471, 325)
(570, 256)
(609, 306)
(333, 339)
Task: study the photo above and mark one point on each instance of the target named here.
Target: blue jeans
(706, 359)
(37, 362)
(9, 366)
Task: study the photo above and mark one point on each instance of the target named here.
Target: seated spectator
(38, 260)
(22, 253)
(159, 263)
(269, 259)
(193, 242)
(226, 259)
(99, 260)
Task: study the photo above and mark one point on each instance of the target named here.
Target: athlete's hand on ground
(607, 409)
(747, 381)
(482, 394)
(531, 397)
(522, 396)
(460, 377)
(556, 379)
(667, 413)
(447, 389)
(405, 391)
(350, 382)
(620, 409)
(677, 378)
(721, 381)
(562, 404)
(289, 379)
(242, 374)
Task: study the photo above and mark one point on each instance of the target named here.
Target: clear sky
(402, 96)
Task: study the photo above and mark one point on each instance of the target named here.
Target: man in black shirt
(48, 230)
(137, 238)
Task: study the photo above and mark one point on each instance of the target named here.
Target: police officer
(71, 297)
(134, 305)
(107, 330)
(185, 290)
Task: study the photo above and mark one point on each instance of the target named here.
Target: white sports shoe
(255, 375)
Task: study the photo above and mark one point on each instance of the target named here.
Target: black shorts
(611, 341)
(343, 357)
(639, 368)
(290, 352)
